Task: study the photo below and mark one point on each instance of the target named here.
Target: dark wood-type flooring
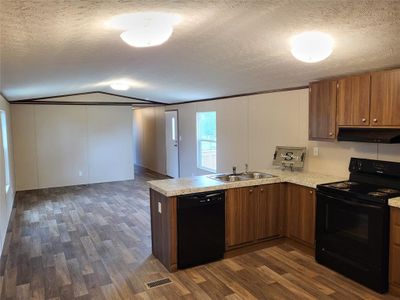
(93, 242)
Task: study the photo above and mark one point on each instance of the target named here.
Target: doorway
(172, 143)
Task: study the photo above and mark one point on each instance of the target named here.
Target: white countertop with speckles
(197, 184)
(395, 202)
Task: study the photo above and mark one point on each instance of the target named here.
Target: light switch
(159, 207)
(315, 151)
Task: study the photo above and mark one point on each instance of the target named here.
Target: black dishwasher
(201, 228)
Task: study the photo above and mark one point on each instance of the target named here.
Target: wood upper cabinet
(394, 257)
(267, 211)
(301, 204)
(252, 213)
(385, 98)
(322, 110)
(240, 207)
(353, 94)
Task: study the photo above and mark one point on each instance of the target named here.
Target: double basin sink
(241, 176)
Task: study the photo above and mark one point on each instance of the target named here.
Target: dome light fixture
(312, 46)
(120, 86)
(145, 29)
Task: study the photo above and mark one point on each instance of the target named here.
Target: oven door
(352, 238)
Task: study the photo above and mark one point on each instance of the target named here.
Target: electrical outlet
(315, 151)
(159, 207)
(80, 173)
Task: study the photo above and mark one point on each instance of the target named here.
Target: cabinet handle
(262, 190)
(375, 120)
(364, 120)
(311, 192)
(250, 191)
(330, 133)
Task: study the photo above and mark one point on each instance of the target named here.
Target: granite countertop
(395, 202)
(196, 184)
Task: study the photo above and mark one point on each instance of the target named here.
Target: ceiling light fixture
(120, 86)
(145, 29)
(311, 47)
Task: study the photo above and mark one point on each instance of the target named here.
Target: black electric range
(360, 190)
(352, 224)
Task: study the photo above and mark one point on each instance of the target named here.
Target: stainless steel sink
(241, 176)
(256, 175)
(226, 177)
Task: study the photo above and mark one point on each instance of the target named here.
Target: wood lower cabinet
(240, 207)
(251, 214)
(164, 229)
(268, 221)
(301, 205)
(353, 100)
(385, 98)
(394, 250)
(322, 110)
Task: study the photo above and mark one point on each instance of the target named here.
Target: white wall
(249, 128)
(6, 197)
(61, 145)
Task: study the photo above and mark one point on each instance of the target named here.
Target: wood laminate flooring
(93, 242)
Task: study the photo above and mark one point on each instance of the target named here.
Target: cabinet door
(239, 215)
(267, 211)
(301, 213)
(385, 98)
(353, 100)
(322, 110)
(394, 259)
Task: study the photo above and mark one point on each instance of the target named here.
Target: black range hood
(369, 135)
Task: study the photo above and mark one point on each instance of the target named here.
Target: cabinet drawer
(395, 216)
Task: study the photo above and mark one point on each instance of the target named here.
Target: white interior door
(172, 143)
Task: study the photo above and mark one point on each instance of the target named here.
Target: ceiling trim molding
(243, 95)
(2, 95)
(45, 102)
(86, 93)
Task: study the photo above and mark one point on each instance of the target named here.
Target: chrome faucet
(234, 170)
(246, 168)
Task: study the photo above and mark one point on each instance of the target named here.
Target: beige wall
(60, 145)
(249, 128)
(149, 136)
(6, 197)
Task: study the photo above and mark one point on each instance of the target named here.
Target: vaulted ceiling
(220, 48)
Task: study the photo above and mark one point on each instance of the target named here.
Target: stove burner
(377, 194)
(343, 185)
(388, 191)
(351, 182)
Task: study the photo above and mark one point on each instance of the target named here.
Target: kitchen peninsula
(256, 210)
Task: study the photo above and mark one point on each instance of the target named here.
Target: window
(207, 140)
(5, 149)
(173, 129)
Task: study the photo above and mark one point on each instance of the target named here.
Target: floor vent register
(158, 282)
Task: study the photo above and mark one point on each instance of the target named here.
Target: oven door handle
(357, 203)
(353, 202)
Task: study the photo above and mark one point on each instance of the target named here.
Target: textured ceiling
(52, 47)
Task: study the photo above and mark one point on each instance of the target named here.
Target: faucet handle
(246, 166)
(234, 169)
